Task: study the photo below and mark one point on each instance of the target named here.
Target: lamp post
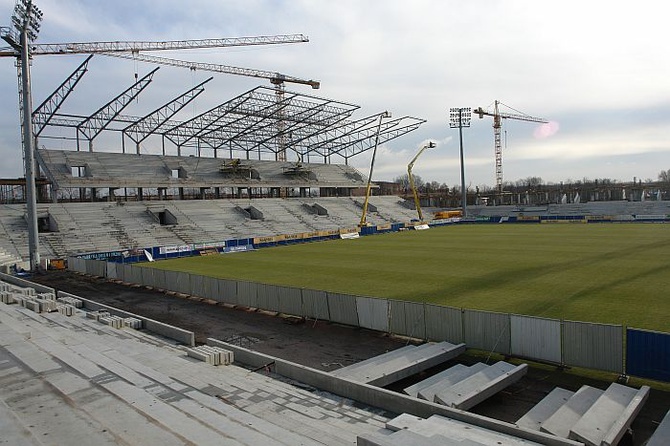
(363, 221)
(410, 178)
(26, 20)
(461, 117)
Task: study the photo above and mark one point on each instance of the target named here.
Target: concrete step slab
(482, 385)
(414, 389)
(534, 418)
(661, 436)
(602, 416)
(392, 369)
(428, 393)
(566, 416)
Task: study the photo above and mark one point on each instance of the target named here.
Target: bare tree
(664, 176)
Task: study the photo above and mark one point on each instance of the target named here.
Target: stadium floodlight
(363, 222)
(27, 19)
(459, 118)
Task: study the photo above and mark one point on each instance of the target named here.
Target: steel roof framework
(255, 122)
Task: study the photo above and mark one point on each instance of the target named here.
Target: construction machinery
(410, 178)
(497, 126)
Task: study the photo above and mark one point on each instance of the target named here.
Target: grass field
(612, 273)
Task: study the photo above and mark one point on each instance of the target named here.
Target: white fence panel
(343, 308)
(373, 313)
(488, 331)
(315, 304)
(537, 338)
(593, 346)
(444, 324)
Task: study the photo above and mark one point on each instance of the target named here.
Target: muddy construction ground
(327, 346)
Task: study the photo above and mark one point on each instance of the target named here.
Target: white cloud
(592, 67)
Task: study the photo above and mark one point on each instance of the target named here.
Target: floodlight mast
(410, 178)
(26, 21)
(459, 118)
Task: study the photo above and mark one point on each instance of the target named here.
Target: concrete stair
(591, 416)
(398, 364)
(437, 430)
(661, 436)
(478, 387)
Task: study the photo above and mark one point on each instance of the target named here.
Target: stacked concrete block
(66, 310)
(132, 322)
(7, 297)
(211, 355)
(77, 303)
(97, 315)
(47, 305)
(112, 321)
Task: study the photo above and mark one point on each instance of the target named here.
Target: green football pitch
(610, 273)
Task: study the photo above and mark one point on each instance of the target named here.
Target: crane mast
(497, 133)
(410, 178)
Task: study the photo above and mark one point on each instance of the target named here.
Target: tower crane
(410, 178)
(26, 22)
(497, 126)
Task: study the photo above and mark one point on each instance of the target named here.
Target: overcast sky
(599, 71)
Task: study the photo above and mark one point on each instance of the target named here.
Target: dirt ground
(327, 346)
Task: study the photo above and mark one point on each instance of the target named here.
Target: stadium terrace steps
(79, 381)
(436, 430)
(398, 364)
(591, 416)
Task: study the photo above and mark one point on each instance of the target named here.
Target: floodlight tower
(461, 117)
(27, 19)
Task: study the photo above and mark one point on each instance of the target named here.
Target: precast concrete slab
(345, 371)
(482, 385)
(457, 432)
(566, 416)
(428, 393)
(392, 368)
(534, 418)
(76, 380)
(661, 436)
(414, 389)
(608, 417)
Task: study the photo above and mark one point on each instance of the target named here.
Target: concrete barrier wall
(534, 337)
(444, 324)
(593, 346)
(178, 334)
(486, 330)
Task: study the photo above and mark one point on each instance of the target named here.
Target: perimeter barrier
(560, 342)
